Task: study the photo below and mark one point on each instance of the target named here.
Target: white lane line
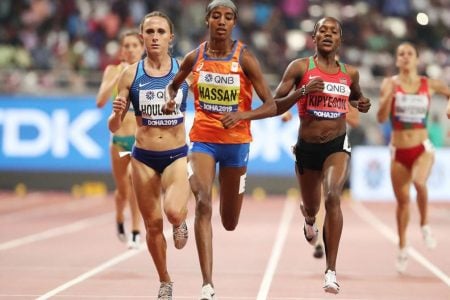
(76, 226)
(370, 218)
(283, 229)
(112, 262)
(109, 263)
(42, 209)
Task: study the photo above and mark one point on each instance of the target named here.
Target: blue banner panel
(70, 134)
(53, 134)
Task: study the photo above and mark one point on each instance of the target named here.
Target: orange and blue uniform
(220, 86)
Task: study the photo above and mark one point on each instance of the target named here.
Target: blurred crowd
(65, 44)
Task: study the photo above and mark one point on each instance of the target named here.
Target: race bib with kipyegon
(332, 103)
(410, 108)
(218, 93)
(150, 105)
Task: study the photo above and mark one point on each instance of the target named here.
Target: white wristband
(303, 90)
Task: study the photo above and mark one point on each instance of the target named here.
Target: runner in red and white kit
(324, 88)
(405, 98)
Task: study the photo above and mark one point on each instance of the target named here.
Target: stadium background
(52, 54)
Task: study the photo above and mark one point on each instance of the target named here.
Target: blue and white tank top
(147, 97)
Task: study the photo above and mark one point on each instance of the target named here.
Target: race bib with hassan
(218, 93)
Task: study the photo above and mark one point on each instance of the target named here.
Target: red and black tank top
(333, 101)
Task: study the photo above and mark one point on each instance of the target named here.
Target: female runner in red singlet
(405, 99)
(324, 89)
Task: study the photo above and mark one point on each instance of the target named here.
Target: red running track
(55, 246)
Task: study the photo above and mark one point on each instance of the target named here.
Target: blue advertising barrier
(70, 134)
(66, 134)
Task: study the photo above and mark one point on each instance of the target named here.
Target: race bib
(411, 108)
(150, 105)
(218, 93)
(331, 104)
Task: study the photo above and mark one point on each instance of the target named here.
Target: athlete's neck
(216, 48)
(326, 61)
(408, 77)
(158, 62)
(158, 66)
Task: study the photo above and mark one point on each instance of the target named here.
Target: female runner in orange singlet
(224, 73)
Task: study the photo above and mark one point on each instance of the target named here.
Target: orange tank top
(219, 86)
(410, 111)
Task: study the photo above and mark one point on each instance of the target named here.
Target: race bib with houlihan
(150, 105)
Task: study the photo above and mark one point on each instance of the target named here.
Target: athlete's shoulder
(243, 50)
(299, 65)
(112, 69)
(132, 68)
(393, 79)
(350, 69)
(191, 57)
(389, 83)
(301, 61)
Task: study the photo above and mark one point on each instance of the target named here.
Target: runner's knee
(203, 207)
(175, 214)
(153, 227)
(311, 210)
(420, 184)
(333, 200)
(229, 224)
